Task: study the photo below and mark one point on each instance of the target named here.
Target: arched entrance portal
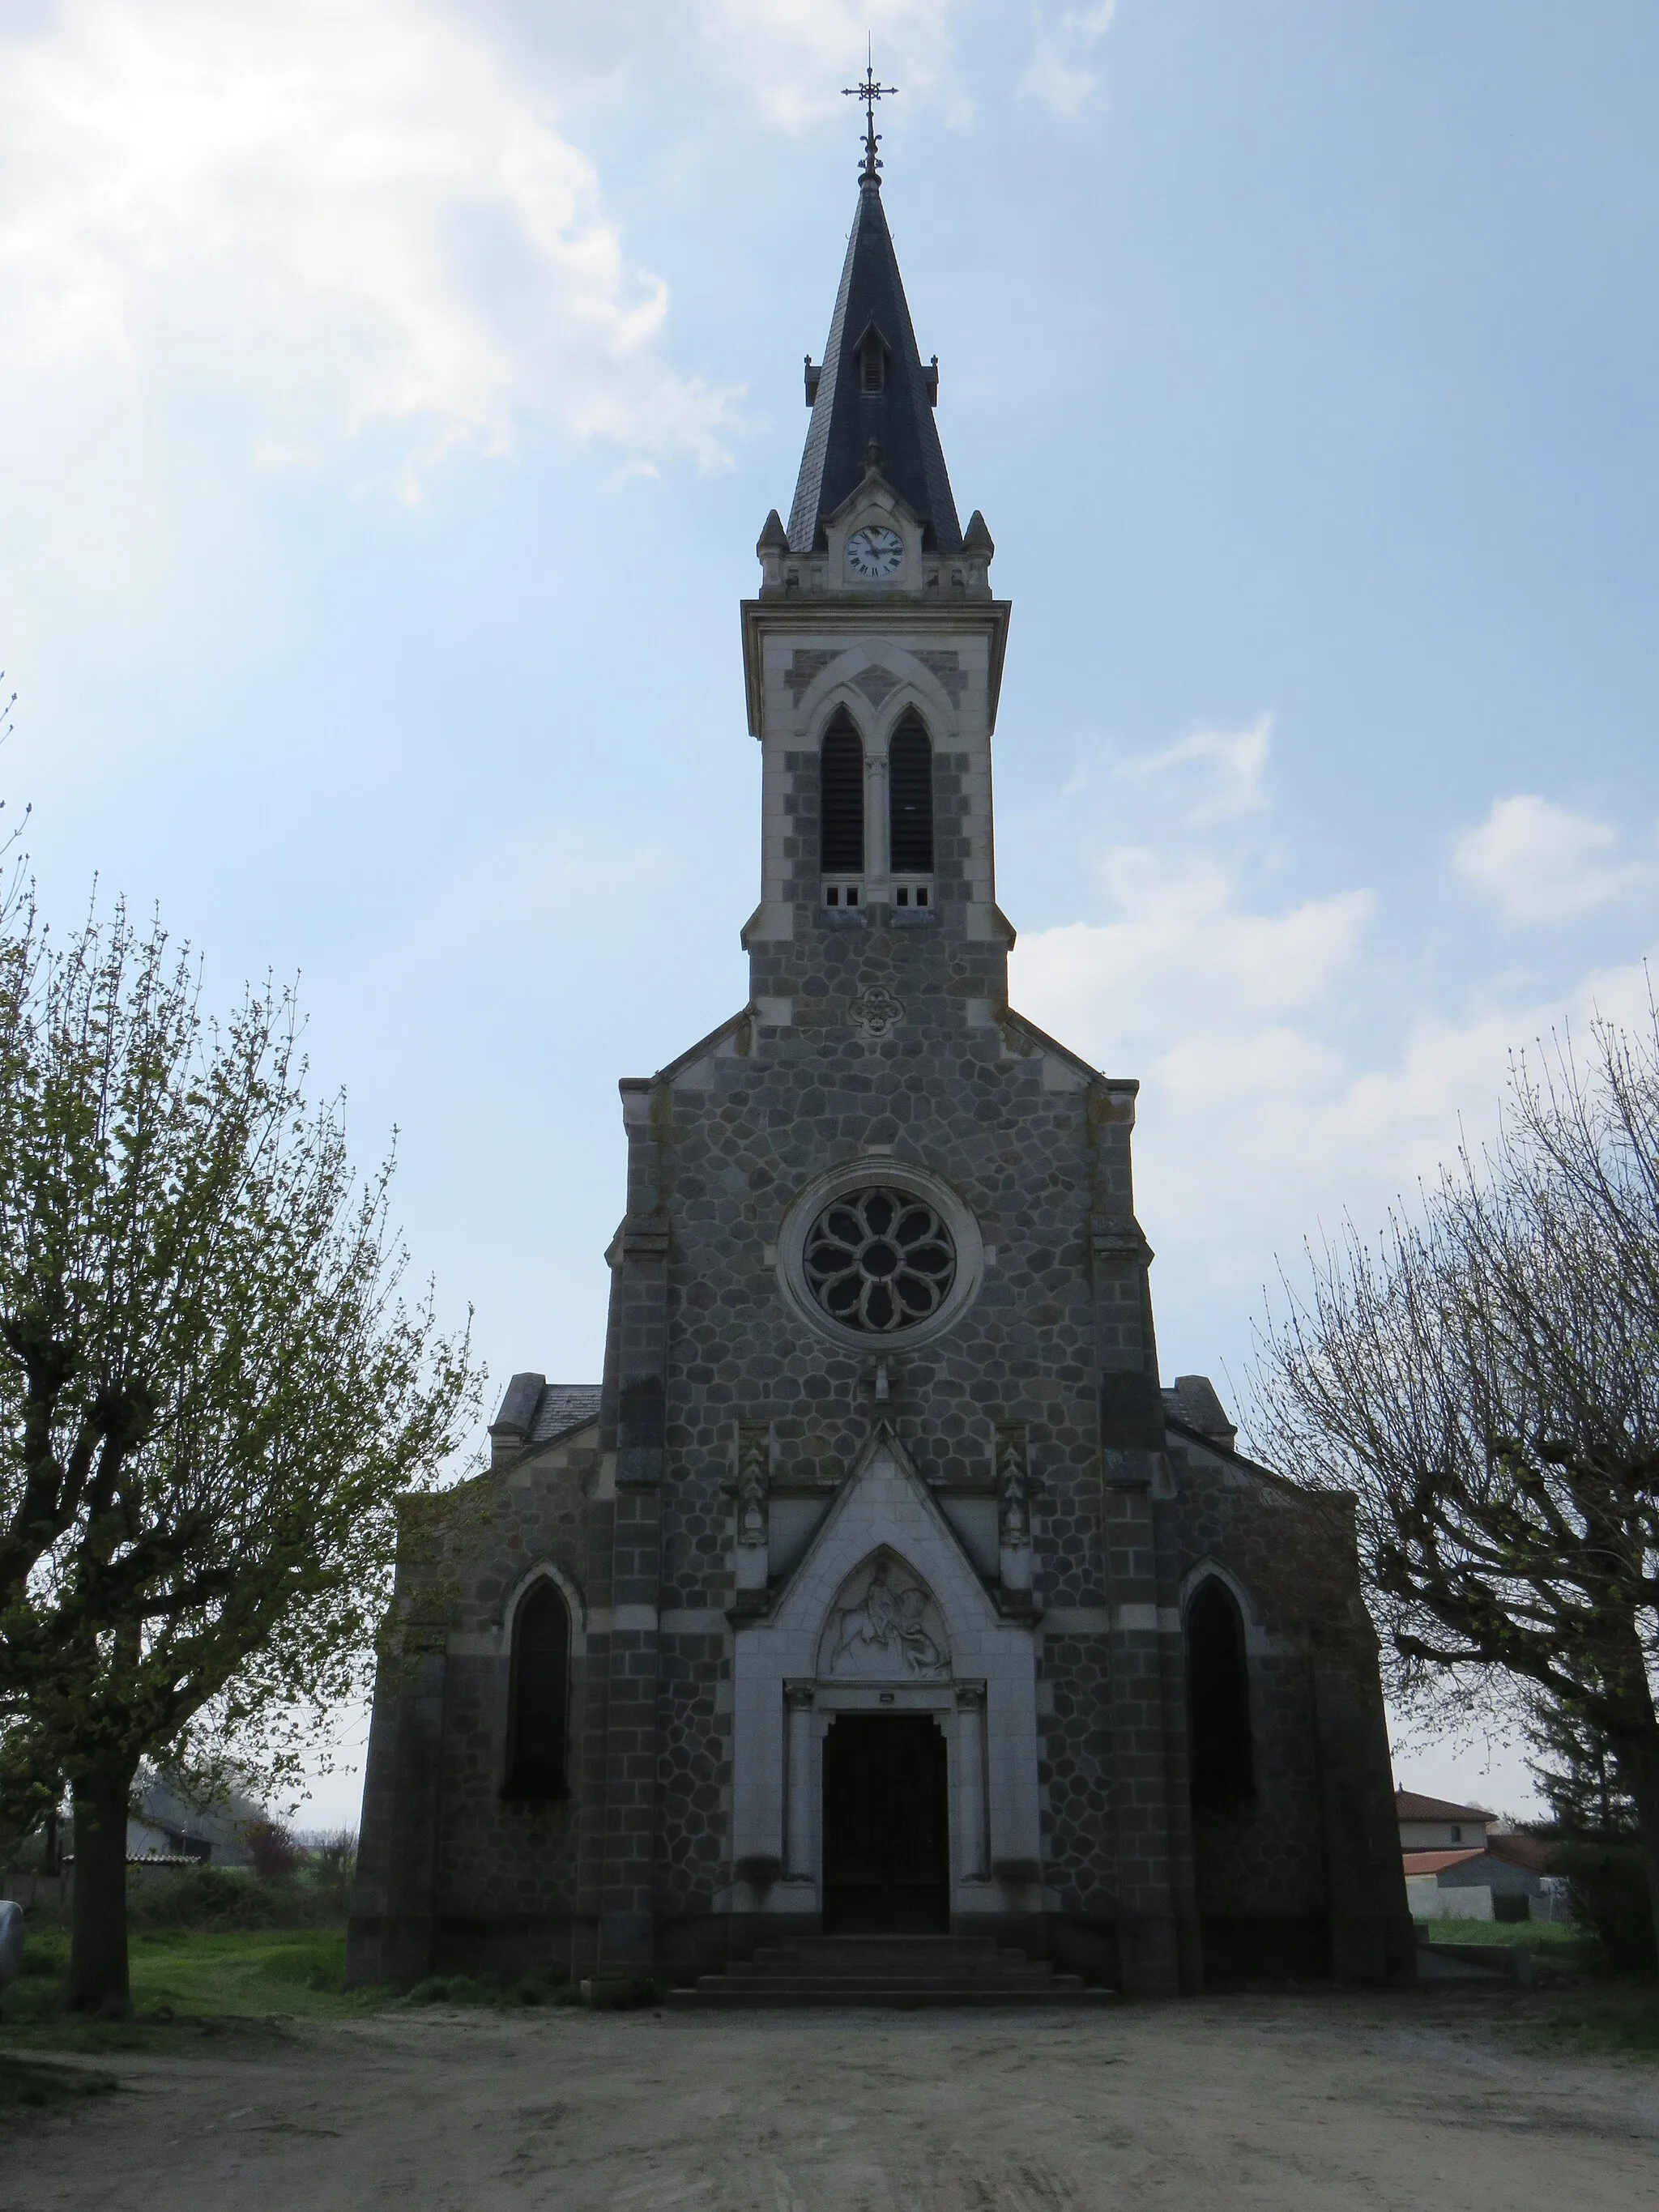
(886, 1774)
(886, 1826)
(884, 1724)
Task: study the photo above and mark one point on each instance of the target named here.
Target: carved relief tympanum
(885, 1626)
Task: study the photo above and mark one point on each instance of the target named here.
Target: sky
(392, 391)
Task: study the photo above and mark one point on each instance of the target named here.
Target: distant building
(1461, 1865)
(1432, 1824)
(167, 1826)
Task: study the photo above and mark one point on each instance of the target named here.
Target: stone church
(878, 1591)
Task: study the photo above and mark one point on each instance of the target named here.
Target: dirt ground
(1293, 2103)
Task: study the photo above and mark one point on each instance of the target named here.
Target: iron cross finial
(870, 92)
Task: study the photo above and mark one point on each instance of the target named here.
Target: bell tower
(872, 659)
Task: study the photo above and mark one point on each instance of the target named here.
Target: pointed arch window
(841, 799)
(1221, 1761)
(538, 1722)
(910, 798)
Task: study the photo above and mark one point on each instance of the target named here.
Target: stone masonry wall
(976, 1101)
(1269, 1858)
(505, 1874)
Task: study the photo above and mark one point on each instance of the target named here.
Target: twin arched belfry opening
(843, 826)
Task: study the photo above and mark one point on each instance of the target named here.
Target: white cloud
(1061, 72)
(1541, 862)
(1259, 1122)
(1218, 772)
(1181, 952)
(327, 217)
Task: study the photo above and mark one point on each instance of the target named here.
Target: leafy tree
(1577, 1776)
(1485, 1380)
(212, 1393)
(1595, 1834)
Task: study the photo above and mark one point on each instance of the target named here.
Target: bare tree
(212, 1393)
(1485, 1379)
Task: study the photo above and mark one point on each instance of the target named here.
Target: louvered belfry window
(910, 792)
(541, 1695)
(841, 796)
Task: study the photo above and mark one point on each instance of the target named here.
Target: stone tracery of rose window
(880, 1260)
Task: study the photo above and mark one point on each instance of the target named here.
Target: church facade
(879, 1586)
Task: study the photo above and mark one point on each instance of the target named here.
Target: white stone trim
(915, 685)
(777, 1779)
(1258, 1643)
(499, 1639)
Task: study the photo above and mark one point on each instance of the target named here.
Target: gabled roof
(537, 1412)
(1437, 1862)
(884, 1504)
(1408, 1806)
(1532, 1852)
(564, 1407)
(898, 419)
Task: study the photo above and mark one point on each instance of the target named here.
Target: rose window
(880, 1260)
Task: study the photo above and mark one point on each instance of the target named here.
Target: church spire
(872, 401)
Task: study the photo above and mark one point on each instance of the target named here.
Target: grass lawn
(195, 1982)
(253, 1972)
(1524, 1935)
(1611, 2022)
(192, 1975)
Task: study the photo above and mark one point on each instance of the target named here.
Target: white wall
(1428, 1901)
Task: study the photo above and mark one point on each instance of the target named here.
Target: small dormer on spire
(874, 354)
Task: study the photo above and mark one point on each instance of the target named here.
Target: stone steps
(899, 1972)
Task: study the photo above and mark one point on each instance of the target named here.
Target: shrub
(272, 1848)
(210, 1896)
(1607, 1883)
(332, 1853)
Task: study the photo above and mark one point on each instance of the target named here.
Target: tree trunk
(1640, 1767)
(98, 1920)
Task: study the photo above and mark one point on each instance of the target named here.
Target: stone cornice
(851, 616)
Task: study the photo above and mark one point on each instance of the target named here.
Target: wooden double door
(886, 1826)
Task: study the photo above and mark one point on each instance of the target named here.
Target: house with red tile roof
(1461, 1865)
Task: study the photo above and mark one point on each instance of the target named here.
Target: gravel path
(1308, 2104)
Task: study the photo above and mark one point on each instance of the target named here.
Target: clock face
(874, 553)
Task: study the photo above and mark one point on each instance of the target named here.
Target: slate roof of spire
(899, 417)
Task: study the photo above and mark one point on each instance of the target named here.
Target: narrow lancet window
(840, 797)
(910, 791)
(539, 1720)
(1218, 1699)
